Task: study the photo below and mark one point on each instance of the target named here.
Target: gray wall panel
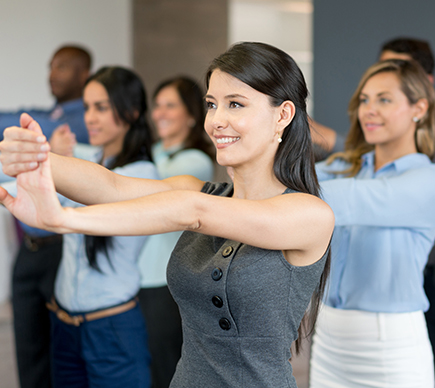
(172, 37)
(347, 38)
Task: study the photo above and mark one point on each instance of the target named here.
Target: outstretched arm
(298, 224)
(89, 183)
(324, 136)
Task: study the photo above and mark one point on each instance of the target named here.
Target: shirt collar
(400, 165)
(171, 150)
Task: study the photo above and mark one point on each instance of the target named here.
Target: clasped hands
(24, 153)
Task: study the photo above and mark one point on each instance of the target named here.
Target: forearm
(322, 135)
(90, 183)
(405, 200)
(154, 214)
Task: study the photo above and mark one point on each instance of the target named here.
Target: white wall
(286, 24)
(30, 31)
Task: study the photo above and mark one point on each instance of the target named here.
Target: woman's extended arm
(90, 183)
(298, 224)
(405, 200)
(79, 180)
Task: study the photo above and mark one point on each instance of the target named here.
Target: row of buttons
(216, 275)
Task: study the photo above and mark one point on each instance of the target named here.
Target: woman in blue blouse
(98, 332)
(99, 275)
(372, 331)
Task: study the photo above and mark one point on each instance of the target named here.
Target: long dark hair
(192, 97)
(273, 72)
(128, 100)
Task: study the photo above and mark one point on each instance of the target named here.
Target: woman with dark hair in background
(183, 148)
(98, 332)
(371, 330)
(255, 251)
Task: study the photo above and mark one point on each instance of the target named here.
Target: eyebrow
(97, 103)
(378, 94)
(229, 96)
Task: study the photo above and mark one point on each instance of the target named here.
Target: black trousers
(164, 333)
(32, 285)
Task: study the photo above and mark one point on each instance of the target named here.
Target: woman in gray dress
(254, 253)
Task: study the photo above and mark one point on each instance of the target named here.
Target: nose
(157, 113)
(89, 115)
(368, 108)
(219, 118)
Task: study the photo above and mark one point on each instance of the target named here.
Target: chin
(95, 143)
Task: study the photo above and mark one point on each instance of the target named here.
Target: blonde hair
(415, 84)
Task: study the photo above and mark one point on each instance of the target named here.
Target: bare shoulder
(316, 221)
(310, 209)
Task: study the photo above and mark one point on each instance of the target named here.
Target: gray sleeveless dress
(241, 307)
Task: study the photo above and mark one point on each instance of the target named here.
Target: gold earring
(279, 140)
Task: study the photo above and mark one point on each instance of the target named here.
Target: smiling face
(171, 118)
(103, 129)
(241, 122)
(386, 116)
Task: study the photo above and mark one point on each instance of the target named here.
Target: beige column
(172, 37)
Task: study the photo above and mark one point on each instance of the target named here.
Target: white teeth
(224, 140)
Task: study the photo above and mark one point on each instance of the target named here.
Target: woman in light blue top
(183, 148)
(371, 331)
(99, 335)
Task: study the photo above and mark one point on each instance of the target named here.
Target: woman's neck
(388, 154)
(111, 150)
(256, 184)
(173, 141)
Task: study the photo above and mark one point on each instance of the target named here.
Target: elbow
(200, 210)
(194, 226)
(190, 211)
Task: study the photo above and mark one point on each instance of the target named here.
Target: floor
(8, 374)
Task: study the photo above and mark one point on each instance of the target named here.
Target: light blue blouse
(80, 288)
(157, 251)
(385, 228)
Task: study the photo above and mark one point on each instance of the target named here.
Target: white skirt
(355, 349)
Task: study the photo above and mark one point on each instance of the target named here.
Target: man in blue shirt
(40, 251)
(69, 69)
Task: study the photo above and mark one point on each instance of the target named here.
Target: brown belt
(76, 320)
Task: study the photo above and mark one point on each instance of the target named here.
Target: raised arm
(298, 224)
(89, 183)
(405, 200)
